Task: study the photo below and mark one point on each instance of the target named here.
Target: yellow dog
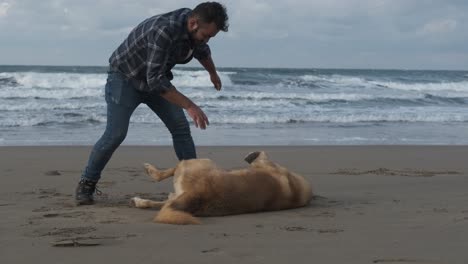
(203, 189)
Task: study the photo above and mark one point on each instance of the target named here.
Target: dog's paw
(147, 165)
(149, 168)
(134, 201)
(252, 156)
(153, 172)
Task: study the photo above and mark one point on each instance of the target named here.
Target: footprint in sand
(213, 250)
(305, 229)
(64, 232)
(105, 184)
(47, 193)
(75, 243)
(69, 231)
(330, 231)
(323, 202)
(296, 228)
(391, 172)
(133, 172)
(399, 260)
(113, 221)
(41, 209)
(88, 241)
(325, 214)
(52, 173)
(66, 215)
(460, 219)
(226, 235)
(440, 210)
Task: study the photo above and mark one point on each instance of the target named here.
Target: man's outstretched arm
(195, 112)
(210, 67)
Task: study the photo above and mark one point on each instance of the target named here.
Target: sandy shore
(375, 204)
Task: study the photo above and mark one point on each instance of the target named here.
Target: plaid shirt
(153, 48)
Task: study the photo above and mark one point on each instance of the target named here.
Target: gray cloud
(290, 33)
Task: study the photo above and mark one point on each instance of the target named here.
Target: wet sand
(374, 204)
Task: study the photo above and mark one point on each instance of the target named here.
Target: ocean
(54, 105)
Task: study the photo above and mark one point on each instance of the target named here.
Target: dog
(202, 189)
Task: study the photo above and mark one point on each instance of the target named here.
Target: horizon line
(251, 67)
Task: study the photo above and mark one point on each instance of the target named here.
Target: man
(140, 72)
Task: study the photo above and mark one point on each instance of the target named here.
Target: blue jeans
(122, 99)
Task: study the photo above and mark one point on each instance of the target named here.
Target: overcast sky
(398, 34)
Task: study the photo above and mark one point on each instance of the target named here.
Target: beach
(367, 100)
(373, 204)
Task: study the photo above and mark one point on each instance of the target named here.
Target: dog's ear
(251, 156)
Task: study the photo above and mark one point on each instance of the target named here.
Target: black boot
(84, 192)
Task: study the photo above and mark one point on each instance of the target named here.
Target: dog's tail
(177, 211)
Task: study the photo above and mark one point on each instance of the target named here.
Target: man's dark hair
(209, 12)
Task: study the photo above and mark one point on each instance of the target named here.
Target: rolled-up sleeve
(158, 53)
(201, 52)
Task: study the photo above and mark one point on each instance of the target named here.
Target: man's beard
(192, 36)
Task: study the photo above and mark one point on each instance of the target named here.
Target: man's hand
(175, 97)
(216, 81)
(198, 116)
(208, 64)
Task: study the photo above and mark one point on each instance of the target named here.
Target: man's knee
(115, 137)
(119, 137)
(179, 127)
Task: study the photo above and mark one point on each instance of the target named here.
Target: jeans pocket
(114, 87)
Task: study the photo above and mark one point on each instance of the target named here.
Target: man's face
(202, 32)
